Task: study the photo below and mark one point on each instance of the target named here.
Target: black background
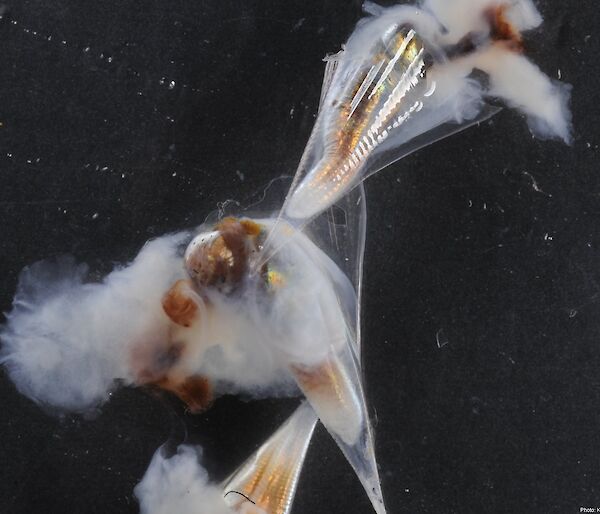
(123, 120)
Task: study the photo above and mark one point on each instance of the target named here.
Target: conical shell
(266, 483)
(316, 316)
(335, 392)
(370, 97)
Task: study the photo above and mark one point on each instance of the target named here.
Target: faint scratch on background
(535, 185)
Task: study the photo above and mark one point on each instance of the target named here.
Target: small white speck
(559, 74)
(172, 84)
(441, 338)
(95, 216)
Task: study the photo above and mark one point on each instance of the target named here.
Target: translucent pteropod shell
(371, 96)
(335, 392)
(316, 315)
(387, 94)
(267, 481)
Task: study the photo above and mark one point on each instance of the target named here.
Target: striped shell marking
(266, 483)
(359, 115)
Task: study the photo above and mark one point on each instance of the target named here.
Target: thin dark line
(241, 494)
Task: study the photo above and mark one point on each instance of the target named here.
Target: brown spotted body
(195, 391)
(220, 259)
(502, 30)
(179, 303)
(154, 366)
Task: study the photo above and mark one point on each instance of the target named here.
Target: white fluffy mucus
(512, 77)
(524, 87)
(67, 341)
(179, 485)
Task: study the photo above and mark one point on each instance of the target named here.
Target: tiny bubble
(171, 84)
(86, 49)
(572, 313)
(95, 216)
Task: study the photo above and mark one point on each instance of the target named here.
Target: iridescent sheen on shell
(365, 104)
(267, 481)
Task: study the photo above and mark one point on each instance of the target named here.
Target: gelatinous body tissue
(261, 306)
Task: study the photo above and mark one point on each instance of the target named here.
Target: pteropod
(269, 304)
